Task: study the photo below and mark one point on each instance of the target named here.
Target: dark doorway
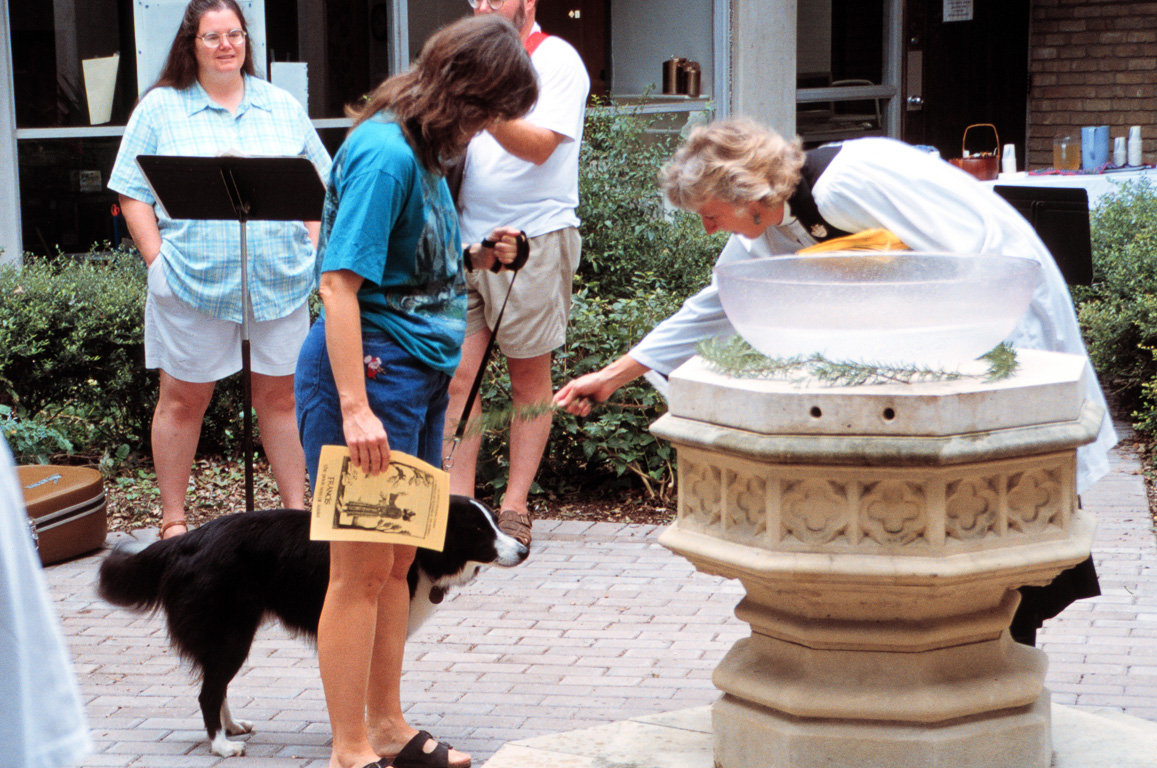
(966, 72)
(583, 24)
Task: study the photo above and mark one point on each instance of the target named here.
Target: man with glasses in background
(523, 174)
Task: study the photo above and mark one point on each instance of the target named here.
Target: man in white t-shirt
(523, 174)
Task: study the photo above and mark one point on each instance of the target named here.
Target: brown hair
(735, 161)
(180, 68)
(469, 73)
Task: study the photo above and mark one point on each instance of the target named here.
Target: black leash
(523, 246)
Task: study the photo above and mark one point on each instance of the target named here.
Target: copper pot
(692, 75)
(672, 69)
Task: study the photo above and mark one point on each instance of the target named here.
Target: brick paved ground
(1103, 652)
(601, 624)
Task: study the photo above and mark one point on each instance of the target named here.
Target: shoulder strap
(803, 205)
(534, 41)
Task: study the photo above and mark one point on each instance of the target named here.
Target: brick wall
(1092, 62)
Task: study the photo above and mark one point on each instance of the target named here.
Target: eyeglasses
(234, 36)
(494, 4)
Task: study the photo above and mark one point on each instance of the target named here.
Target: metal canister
(672, 69)
(692, 74)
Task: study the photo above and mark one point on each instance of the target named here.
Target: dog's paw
(234, 727)
(225, 748)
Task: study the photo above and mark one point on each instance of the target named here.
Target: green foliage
(735, 357)
(632, 243)
(71, 353)
(613, 447)
(31, 441)
(1118, 313)
(72, 380)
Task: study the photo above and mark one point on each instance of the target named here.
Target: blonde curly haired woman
(776, 199)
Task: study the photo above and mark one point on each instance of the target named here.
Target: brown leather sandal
(516, 525)
(171, 523)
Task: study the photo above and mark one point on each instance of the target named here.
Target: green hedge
(73, 386)
(1118, 312)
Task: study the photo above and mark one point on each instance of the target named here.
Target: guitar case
(66, 508)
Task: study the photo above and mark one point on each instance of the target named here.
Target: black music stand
(238, 189)
(1060, 216)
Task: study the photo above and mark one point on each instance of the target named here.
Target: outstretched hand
(575, 396)
(580, 395)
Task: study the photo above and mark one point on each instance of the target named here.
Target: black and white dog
(216, 585)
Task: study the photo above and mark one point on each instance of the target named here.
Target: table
(1097, 185)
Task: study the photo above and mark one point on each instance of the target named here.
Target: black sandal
(413, 756)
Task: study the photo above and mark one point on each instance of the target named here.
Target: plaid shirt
(202, 258)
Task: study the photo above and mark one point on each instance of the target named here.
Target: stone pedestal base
(747, 735)
(881, 534)
(929, 687)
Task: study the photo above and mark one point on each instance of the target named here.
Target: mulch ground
(217, 487)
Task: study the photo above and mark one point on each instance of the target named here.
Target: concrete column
(10, 241)
(763, 62)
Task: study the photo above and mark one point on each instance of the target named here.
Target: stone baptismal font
(881, 532)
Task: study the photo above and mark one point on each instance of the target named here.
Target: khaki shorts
(191, 346)
(539, 306)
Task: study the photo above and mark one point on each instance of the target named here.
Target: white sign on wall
(157, 22)
(958, 10)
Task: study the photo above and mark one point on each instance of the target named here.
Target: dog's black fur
(217, 583)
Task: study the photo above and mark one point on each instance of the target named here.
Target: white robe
(42, 722)
(931, 206)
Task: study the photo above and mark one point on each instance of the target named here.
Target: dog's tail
(133, 579)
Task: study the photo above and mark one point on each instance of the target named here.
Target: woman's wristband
(496, 267)
(468, 260)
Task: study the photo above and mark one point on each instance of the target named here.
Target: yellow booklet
(409, 503)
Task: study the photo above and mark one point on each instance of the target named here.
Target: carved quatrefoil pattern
(803, 508)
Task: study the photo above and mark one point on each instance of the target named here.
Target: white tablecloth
(1096, 184)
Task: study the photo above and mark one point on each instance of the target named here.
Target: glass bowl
(892, 308)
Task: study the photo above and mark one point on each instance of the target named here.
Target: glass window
(840, 45)
(344, 44)
(72, 97)
(51, 41)
(65, 202)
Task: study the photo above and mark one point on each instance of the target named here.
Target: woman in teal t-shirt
(373, 372)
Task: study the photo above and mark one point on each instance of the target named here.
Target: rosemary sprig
(735, 357)
(499, 420)
(1002, 362)
(491, 421)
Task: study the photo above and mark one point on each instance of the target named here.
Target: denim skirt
(408, 396)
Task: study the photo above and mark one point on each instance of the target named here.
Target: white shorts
(191, 346)
(539, 306)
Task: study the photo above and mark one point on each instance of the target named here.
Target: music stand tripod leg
(246, 383)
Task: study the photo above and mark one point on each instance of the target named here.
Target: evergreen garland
(735, 357)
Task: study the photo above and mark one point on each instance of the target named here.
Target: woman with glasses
(374, 372)
(209, 102)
